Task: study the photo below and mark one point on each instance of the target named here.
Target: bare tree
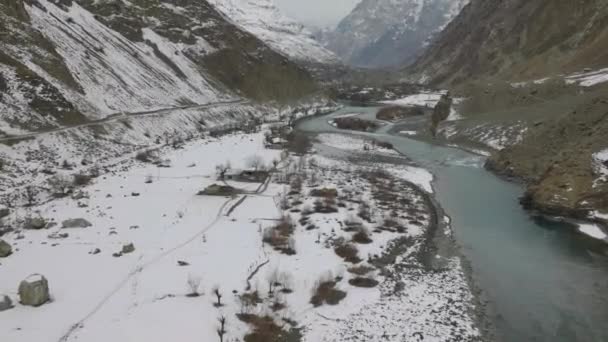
(255, 162)
(222, 169)
(218, 295)
(273, 281)
(60, 185)
(193, 284)
(30, 195)
(221, 330)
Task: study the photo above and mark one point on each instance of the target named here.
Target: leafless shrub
(222, 169)
(193, 285)
(362, 236)
(30, 195)
(279, 236)
(221, 330)
(218, 295)
(324, 291)
(255, 162)
(348, 252)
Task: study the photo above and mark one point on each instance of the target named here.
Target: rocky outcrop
(34, 291)
(379, 33)
(35, 223)
(516, 40)
(128, 248)
(441, 112)
(5, 249)
(76, 223)
(4, 212)
(5, 303)
(556, 160)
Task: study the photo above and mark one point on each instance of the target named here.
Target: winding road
(122, 116)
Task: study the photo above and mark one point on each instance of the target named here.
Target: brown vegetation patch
(348, 252)
(326, 292)
(325, 192)
(265, 329)
(363, 282)
(356, 124)
(362, 236)
(396, 113)
(361, 270)
(280, 238)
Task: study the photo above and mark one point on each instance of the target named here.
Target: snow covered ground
(588, 78)
(140, 294)
(593, 230)
(429, 99)
(600, 166)
(184, 242)
(352, 143)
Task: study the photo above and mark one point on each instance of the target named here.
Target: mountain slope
(534, 73)
(518, 39)
(68, 62)
(264, 20)
(389, 32)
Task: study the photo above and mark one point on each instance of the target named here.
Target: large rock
(35, 223)
(4, 211)
(5, 303)
(128, 248)
(5, 249)
(34, 290)
(76, 223)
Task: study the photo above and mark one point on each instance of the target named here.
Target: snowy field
(185, 243)
(429, 99)
(352, 143)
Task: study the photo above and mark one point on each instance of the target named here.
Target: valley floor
(326, 251)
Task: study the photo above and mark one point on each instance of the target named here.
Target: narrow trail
(121, 116)
(137, 270)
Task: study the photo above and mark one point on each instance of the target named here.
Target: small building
(249, 176)
(219, 190)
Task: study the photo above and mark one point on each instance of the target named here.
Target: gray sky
(319, 13)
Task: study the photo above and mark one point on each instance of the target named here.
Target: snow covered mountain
(70, 62)
(380, 33)
(263, 19)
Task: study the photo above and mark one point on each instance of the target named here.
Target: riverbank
(505, 246)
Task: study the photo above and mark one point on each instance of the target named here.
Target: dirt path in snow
(121, 116)
(137, 270)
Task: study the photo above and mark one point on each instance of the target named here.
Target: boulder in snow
(5, 249)
(34, 290)
(35, 223)
(128, 248)
(5, 303)
(76, 223)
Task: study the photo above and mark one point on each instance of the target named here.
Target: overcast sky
(319, 13)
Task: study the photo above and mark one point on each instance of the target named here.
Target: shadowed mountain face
(517, 39)
(65, 62)
(381, 33)
(538, 65)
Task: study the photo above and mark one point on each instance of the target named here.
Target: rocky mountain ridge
(380, 33)
(67, 62)
(516, 40)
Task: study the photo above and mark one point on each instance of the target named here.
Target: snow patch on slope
(117, 74)
(263, 19)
